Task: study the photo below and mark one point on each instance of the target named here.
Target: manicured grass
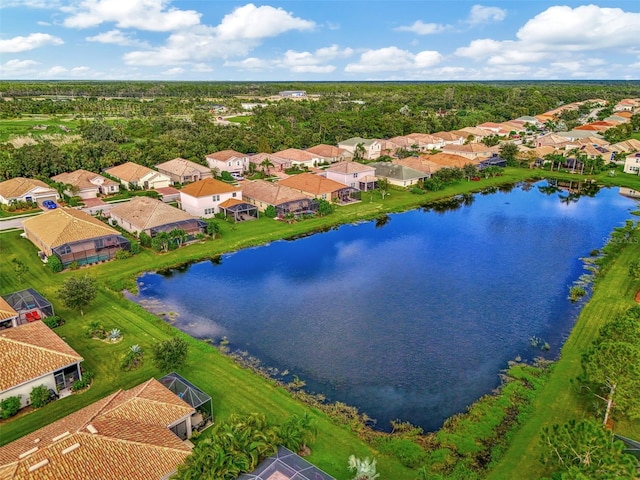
(560, 400)
(240, 119)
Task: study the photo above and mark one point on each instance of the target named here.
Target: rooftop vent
(92, 429)
(61, 436)
(38, 465)
(70, 448)
(28, 452)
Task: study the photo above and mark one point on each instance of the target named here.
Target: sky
(307, 40)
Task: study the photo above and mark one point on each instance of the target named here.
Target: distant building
(293, 93)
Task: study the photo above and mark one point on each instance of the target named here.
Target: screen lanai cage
(192, 395)
(26, 301)
(286, 465)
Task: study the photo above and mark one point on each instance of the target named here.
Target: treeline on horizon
(152, 122)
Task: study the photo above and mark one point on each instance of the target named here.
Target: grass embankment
(560, 399)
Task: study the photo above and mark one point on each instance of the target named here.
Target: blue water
(412, 320)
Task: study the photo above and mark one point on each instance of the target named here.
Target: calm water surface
(411, 320)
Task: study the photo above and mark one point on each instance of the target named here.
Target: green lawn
(560, 400)
(240, 119)
(24, 126)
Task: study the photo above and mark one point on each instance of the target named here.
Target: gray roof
(579, 134)
(398, 172)
(356, 140)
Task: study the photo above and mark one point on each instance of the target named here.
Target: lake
(411, 317)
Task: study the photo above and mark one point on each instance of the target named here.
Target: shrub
(417, 191)
(55, 264)
(133, 358)
(170, 354)
(9, 407)
(122, 254)
(74, 265)
(145, 239)
(40, 396)
(410, 454)
(53, 321)
(135, 248)
(576, 293)
(82, 383)
(270, 212)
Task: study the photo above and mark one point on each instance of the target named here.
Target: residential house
(353, 174)
(450, 138)
(33, 355)
(293, 93)
(430, 164)
(22, 189)
(552, 140)
(417, 163)
(299, 157)
(329, 153)
(392, 145)
(28, 305)
(473, 134)
(632, 164)
(285, 200)
(180, 170)
(151, 216)
(369, 149)
(85, 184)
(494, 161)
(627, 105)
(626, 146)
(8, 316)
(491, 127)
(228, 161)
(472, 151)
(530, 120)
(137, 434)
(73, 236)
(396, 174)
(133, 175)
(203, 198)
(319, 187)
(426, 141)
(575, 135)
(268, 162)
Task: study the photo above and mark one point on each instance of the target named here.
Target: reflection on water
(414, 320)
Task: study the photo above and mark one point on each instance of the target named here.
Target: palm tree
(297, 432)
(265, 164)
(359, 151)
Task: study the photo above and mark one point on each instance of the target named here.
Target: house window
(216, 198)
(233, 194)
(355, 175)
(324, 196)
(65, 249)
(209, 211)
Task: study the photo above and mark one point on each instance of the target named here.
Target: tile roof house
(285, 199)
(134, 175)
(8, 316)
(397, 174)
(87, 184)
(449, 160)
(329, 153)
(228, 161)
(632, 164)
(372, 147)
(426, 141)
(628, 146)
(449, 138)
(32, 355)
(151, 216)
(277, 163)
(135, 434)
(203, 198)
(184, 171)
(26, 190)
(417, 163)
(300, 157)
(472, 151)
(74, 236)
(353, 174)
(317, 186)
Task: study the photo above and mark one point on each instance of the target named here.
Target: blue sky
(318, 40)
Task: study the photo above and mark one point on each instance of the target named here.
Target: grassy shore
(232, 388)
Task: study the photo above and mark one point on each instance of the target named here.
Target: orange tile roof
(6, 310)
(208, 186)
(230, 202)
(448, 159)
(82, 179)
(323, 150)
(448, 136)
(295, 155)
(349, 167)
(271, 193)
(312, 184)
(17, 187)
(66, 225)
(181, 167)
(225, 155)
(121, 436)
(30, 351)
(129, 171)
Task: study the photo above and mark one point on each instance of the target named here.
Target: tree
(586, 450)
(324, 207)
(170, 354)
(145, 239)
(383, 187)
(470, 171)
(613, 369)
(359, 152)
(270, 212)
(509, 151)
(634, 270)
(266, 164)
(78, 292)
(161, 242)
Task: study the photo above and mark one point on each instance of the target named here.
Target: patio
(29, 304)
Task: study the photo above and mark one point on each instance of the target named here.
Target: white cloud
(202, 67)
(43, 24)
(50, 4)
(251, 63)
(390, 59)
(480, 14)
(420, 28)
(17, 67)
(152, 15)
(237, 34)
(115, 37)
(562, 34)
(316, 62)
(22, 44)
(173, 71)
(250, 22)
(54, 71)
